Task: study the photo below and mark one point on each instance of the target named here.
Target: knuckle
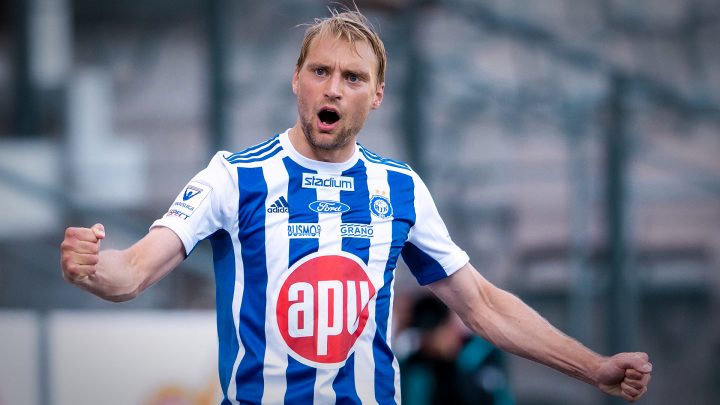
(71, 270)
(71, 233)
(67, 263)
(67, 245)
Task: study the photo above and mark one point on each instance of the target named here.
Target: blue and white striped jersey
(304, 255)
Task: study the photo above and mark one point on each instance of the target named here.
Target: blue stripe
(382, 354)
(375, 158)
(302, 391)
(344, 383)
(253, 148)
(402, 197)
(359, 213)
(299, 199)
(277, 148)
(425, 269)
(300, 378)
(224, 263)
(251, 217)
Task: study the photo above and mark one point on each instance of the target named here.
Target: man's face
(336, 88)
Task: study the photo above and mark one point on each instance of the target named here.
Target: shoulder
(223, 166)
(398, 172)
(387, 163)
(254, 155)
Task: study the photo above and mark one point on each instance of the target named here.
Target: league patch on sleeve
(188, 200)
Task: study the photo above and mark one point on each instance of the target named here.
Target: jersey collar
(327, 167)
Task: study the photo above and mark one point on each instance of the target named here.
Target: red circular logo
(322, 307)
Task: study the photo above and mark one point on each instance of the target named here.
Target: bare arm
(513, 326)
(118, 275)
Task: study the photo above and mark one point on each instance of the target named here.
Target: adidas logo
(280, 206)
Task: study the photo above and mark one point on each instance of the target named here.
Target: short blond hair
(350, 26)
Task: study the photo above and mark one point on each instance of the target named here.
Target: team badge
(322, 308)
(380, 206)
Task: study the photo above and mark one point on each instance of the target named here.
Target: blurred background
(572, 147)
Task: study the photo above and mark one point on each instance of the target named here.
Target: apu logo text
(322, 307)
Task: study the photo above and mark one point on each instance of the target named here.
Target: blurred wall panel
(19, 358)
(133, 358)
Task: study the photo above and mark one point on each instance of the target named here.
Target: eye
(353, 78)
(320, 71)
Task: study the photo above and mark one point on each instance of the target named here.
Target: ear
(378, 98)
(294, 81)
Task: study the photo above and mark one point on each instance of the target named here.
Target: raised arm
(118, 275)
(513, 326)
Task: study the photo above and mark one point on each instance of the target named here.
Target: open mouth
(328, 117)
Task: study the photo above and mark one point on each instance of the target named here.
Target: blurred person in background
(450, 365)
(306, 230)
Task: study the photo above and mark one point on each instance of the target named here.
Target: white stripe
(275, 363)
(395, 364)
(328, 242)
(364, 363)
(379, 251)
(237, 299)
(324, 393)
(330, 223)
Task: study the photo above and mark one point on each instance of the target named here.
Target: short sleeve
(429, 252)
(203, 205)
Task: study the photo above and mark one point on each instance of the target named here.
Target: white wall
(110, 358)
(19, 358)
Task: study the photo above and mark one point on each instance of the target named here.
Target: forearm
(116, 277)
(120, 275)
(510, 324)
(513, 326)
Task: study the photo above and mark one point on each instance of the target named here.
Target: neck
(332, 155)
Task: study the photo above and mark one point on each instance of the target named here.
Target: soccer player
(306, 230)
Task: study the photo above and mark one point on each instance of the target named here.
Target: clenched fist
(79, 252)
(626, 375)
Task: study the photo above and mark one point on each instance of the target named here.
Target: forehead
(327, 49)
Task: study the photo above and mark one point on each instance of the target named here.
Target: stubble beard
(342, 139)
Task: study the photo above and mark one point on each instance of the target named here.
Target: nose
(333, 88)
